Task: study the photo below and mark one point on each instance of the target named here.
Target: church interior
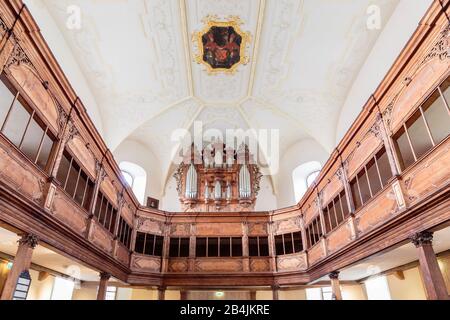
(224, 150)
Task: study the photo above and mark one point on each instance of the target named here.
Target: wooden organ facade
(387, 180)
(218, 178)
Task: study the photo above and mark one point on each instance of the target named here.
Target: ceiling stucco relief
(139, 59)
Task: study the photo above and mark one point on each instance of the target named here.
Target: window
(105, 212)
(324, 293)
(23, 127)
(179, 247)
(136, 177)
(313, 232)
(258, 246)
(372, 178)
(149, 244)
(288, 243)
(311, 178)
(78, 185)
(378, 289)
(336, 212)
(124, 234)
(219, 247)
(426, 128)
(303, 176)
(62, 289)
(111, 293)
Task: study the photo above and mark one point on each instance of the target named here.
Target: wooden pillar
(253, 295)
(22, 262)
(183, 295)
(104, 277)
(335, 286)
(275, 292)
(432, 278)
(161, 293)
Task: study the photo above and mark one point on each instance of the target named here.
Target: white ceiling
(137, 58)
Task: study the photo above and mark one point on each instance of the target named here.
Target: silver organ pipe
(191, 183)
(244, 183)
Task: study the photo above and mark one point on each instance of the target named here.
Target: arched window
(311, 177)
(303, 176)
(136, 177)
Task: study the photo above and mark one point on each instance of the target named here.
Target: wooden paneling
(333, 186)
(260, 264)
(429, 175)
(292, 262)
(288, 225)
(178, 265)
(100, 237)
(68, 212)
(219, 265)
(149, 225)
(216, 229)
(316, 253)
(142, 263)
(83, 155)
(122, 254)
(257, 229)
(19, 174)
(33, 88)
(339, 237)
(377, 211)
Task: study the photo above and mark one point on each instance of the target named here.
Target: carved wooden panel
(144, 263)
(218, 265)
(4, 54)
(217, 229)
(310, 210)
(180, 229)
(315, 254)
(257, 229)
(109, 189)
(122, 254)
(430, 175)
(331, 189)
(78, 147)
(293, 262)
(149, 225)
(100, 237)
(65, 210)
(363, 150)
(260, 264)
(339, 237)
(32, 86)
(20, 176)
(127, 212)
(288, 225)
(410, 95)
(377, 211)
(178, 265)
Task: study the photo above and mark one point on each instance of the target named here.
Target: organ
(218, 178)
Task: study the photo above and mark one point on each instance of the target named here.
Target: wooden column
(432, 278)
(275, 292)
(335, 286)
(104, 277)
(22, 262)
(162, 293)
(253, 295)
(183, 295)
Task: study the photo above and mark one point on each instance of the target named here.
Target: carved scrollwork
(422, 238)
(441, 48)
(257, 179)
(178, 175)
(62, 116)
(18, 57)
(30, 240)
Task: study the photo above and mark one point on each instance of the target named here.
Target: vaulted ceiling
(137, 57)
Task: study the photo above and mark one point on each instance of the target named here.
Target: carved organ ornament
(218, 179)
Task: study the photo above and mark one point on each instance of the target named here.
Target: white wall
(65, 59)
(170, 201)
(301, 152)
(266, 199)
(390, 43)
(136, 152)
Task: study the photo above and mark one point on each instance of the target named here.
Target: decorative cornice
(105, 276)
(18, 57)
(30, 240)
(422, 238)
(334, 275)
